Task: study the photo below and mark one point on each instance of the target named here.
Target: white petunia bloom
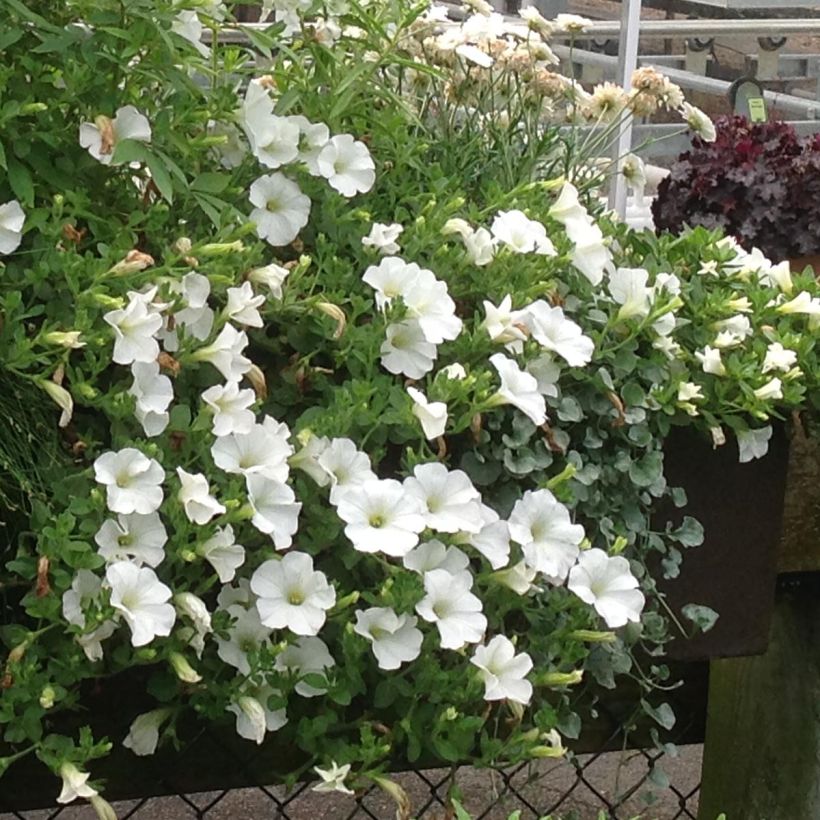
(753, 444)
(143, 735)
(196, 499)
(454, 372)
(308, 656)
(493, 539)
(275, 509)
(194, 608)
(133, 482)
(773, 389)
(381, 517)
(449, 501)
(504, 673)
(231, 408)
(253, 717)
(280, 211)
(710, 361)
(313, 136)
(549, 540)
(243, 306)
(12, 218)
(608, 584)
(345, 466)
(406, 350)
(225, 353)
(519, 389)
(733, 331)
(140, 538)
(271, 276)
(451, 606)
(629, 288)
(428, 302)
(778, 358)
(85, 588)
(74, 784)
(521, 234)
(245, 634)
(333, 779)
(553, 331)
(390, 278)
(803, 303)
(292, 595)
(689, 391)
(431, 414)
(142, 598)
(394, 638)
(153, 393)
(505, 325)
(196, 318)
(383, 237)
(435, 555)
(519, 577)
(347, 165)
(223, 553)
(480, 247)
(188, 26)
(101, 137)
(264, 451)
(274, 140)
(135, 327)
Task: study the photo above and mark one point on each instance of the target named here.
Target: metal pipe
(762, 27)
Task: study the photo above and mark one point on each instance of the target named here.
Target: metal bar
(762, 27)
(627, 63)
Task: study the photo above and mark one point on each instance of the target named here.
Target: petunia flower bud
(335, 313)
(184, 671)
(62, 398)
(134, 262)
(105, 811)
(69, 339)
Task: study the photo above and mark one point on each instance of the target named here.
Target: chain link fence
(656, 785)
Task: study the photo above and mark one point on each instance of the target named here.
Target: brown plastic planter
(734, 570)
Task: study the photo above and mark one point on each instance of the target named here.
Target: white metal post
(627, 63)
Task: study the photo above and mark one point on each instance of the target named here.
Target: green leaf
(20, 181)
(647, 470)
(662, 715)
(689, 533)
(210, 182)
(702, 616)
(460, 812)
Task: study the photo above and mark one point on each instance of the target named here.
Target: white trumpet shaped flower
(451, 606)
(448, 499)
(264, 450)
(431, 414)
(142, 599)
(280, 211)
(393, 638)
(223, 553)
(140, 538)
(100, 138)
(12, 218)
(196, 499)
(347, 165)
(519, 389)
(231, 408)
(275, 509)
(503, 671)
(133, 482)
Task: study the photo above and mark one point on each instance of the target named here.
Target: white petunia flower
(153, 393)
(133, 482)
(253, 718)
(280, 211)
(101, 137)
(345, 466)
(347, 165)
(519, 389)
(394, 638)
(449, 501)
(406, 350)
(271, 276)
(431, 414)
(435, 555)
(710, 361)
(85, 588)
(608, 584)
(188, 26)
(292, 595)
(194, 608)
(196, 499)
(553, 331)
(143, 735)
(223, 553)
(135, 327)
(429, 303)
(778, 358)
(803, 303)
(245, 634)
(313, 136)
(689, 391)
(504, 673)
(74, 784)
(12, 218)
(629, 288)
(196, 318)
(753, 444)
(519, 577)
(493, 539)
(243, 305)
(307, 656)
(142, 598)
(264, 451)
(390, 278)
(140, 538)
(480, 247)
(381, 517)
(275, 509)
(454, 372)
(225, 353)
(383, 237)
(451, 606)
(521, 234)
(231, 408)
(333, 779)
(549, 540)
(505, 325)
(773, 389)
(733, 331)
(274, 140)
(546, 372)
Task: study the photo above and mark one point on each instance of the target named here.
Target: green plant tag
(757, 109)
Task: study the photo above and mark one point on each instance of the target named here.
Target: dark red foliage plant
(759, 182)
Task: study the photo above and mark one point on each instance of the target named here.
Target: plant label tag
(757, 109)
